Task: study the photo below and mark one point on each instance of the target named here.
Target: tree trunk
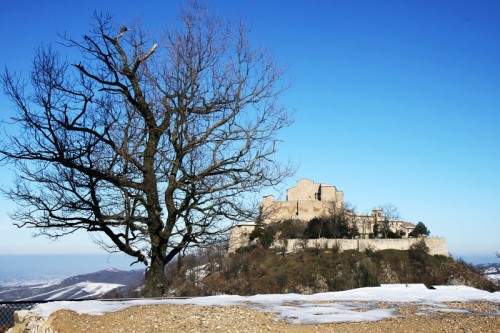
(154, 279)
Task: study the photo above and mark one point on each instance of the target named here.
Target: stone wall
(303, 210)
(239, 236)
(307, 189)
(437, 245)
(304, 202)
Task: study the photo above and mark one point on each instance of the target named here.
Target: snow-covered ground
(493, 277)
(351, 305)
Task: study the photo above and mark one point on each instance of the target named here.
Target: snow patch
(492, 270)
(351, 305)
(76, 291)
(94, 288)
(493, 277)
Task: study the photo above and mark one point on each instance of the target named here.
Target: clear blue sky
(395, 101)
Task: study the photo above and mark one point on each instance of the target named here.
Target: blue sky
(395, 101)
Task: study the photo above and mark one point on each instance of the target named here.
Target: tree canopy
(333, 227)
(148, 142)
(420, 229)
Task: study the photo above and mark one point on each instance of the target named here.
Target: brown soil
(481, 317)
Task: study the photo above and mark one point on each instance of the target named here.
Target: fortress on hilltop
(308, 200)
(304, 202)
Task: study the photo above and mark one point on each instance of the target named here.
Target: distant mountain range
(106, 283)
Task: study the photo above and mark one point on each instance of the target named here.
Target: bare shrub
(419, 251)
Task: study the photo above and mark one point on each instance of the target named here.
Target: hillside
(262, 271)
(105, 283)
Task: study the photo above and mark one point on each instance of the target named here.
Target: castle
(308, 200)
(304, 202)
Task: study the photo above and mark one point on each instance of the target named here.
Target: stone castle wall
(239, 236)
(306, 189)
(436, 245)
(304, 202)
(302, 210)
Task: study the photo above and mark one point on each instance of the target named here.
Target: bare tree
(150, 144)
(390, 213)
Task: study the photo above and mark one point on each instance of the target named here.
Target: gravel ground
(480, 317)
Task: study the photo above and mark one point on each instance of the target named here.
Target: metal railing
(7, 310)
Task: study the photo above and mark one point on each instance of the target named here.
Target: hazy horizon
(60, 266)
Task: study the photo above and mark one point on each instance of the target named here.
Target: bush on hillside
(335, 226)
(418, 251)
(287, 229)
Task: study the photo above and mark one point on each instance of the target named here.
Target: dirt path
(190, 318)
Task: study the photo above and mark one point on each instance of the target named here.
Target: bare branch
(149, 149)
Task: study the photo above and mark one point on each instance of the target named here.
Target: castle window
(317, 196)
